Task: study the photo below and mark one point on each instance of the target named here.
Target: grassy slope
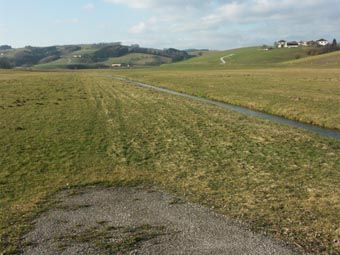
(68, 59)
(9, 53)
(139, 59)
(244, 57)
(67, 129)
(325, 60)
(60, 63)
(84, 50)
(136, 59)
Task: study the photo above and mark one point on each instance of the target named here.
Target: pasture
(252, 57)
(69, 129)
(307, 95)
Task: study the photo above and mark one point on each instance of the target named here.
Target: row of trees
(5, 47)
(30, 56)
(5, 63)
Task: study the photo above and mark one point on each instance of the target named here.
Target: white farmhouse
(281, 44)
(322, 42)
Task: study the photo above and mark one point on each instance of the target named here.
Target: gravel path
(97, 220)
(222, 59)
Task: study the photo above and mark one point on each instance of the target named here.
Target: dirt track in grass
(97, 220)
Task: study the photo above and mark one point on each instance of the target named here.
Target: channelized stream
(243, 110)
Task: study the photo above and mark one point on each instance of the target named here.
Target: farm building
(281, 44)
(322, 42)
(285, 44)
(292, 44)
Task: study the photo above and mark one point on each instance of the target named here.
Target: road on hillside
(223, 58)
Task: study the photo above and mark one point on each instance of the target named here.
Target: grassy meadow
(252, 57)
(135, 59)
(139, 59)
(68, 129)
(330, 60)
(307, 95)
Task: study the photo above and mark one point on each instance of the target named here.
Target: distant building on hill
(322, 42)
(292, 44)
(285, 44)
(281, 44)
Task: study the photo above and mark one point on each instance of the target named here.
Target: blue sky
(214, 24)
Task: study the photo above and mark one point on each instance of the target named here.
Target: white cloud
(160, 3)
(138, 29)
(89, 7)
(131, 3)
(264, 10)
(232, 23)
(143, 26)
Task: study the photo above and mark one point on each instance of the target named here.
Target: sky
(182, 24)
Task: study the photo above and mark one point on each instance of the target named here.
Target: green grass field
(59, 64)
(139, 59)
(253, 57)
(67, 129)
(329, 60)
(134, 59)
(307, 95)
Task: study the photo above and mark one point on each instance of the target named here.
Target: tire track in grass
(116, 123)
(168, 117)
(129, 138)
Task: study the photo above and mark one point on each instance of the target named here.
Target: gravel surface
(97, 220)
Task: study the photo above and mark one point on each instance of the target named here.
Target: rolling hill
(251, 57)
(88, 56)
(104, 55)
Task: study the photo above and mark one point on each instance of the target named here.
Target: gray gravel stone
(76, 226)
